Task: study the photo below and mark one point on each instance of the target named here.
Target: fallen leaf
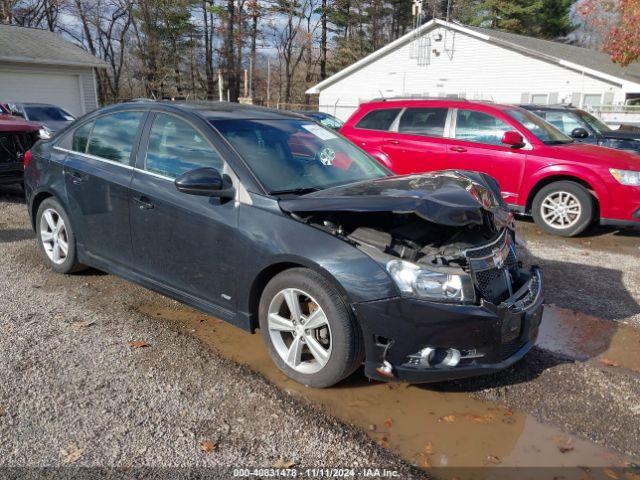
(566, 446)
(208, 446)
(508, 413)
(382, 441)
(493, 459)
(610, 473)
(447, 418)
(138, 344)
(428, 448)
(486, 418)
(388, 423)
(281, 463)
(424, 460)
(608, 362)
(71, 454)
(372, 427)
(2, 411)
(82, 323)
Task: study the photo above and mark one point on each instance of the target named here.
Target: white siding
(473, 67)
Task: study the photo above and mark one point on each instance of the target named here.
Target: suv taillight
(27, 158)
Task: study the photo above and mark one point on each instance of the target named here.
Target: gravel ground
(74, 391)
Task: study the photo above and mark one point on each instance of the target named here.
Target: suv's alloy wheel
(563, 208)
(309, 329)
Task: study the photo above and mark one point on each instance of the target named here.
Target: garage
(42, 67)
(63, 90)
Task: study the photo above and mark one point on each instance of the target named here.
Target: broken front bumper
(488, 337)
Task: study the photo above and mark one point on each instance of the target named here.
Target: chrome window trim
(94, 157)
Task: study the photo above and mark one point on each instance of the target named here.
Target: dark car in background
(332, 257)
(17, 136)
(51, 116)
(585, 127)
(324, 119)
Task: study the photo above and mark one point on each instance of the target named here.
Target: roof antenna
(381, 94)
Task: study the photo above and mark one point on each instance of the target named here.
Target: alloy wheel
(53, 234)
(560, 210)
(299, 330)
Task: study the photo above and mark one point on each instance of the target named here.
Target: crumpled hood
(452, 198)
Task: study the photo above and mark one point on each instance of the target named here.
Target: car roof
(438, 101)
(533, 106)
(215, 110)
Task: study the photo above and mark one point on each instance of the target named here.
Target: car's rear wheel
(563, 208)
(56, 237)
(309, 329)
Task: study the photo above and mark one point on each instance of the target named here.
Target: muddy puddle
(583, 337)
(427, 427)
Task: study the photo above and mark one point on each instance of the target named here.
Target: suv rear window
(378, 119)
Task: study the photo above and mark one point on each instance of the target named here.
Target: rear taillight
(27, 158)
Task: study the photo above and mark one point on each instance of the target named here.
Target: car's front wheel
(309, 329)
(56, 237)
(563, 208)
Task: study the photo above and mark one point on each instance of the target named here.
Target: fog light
(430, 357)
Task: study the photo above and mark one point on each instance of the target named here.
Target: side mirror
(579, 133)
(205, 181)
(513, 139)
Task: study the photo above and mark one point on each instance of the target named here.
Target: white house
(441, 59)
(40, 66)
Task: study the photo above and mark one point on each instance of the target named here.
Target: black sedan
(584, 127)
(268, 220)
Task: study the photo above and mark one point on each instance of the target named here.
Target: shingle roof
(584, 57)
(33, 45)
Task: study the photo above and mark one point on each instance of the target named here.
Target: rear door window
(176, 147)
(474, 126)
(378, 119)
(80, 137)
(113, 136)
(423, 121)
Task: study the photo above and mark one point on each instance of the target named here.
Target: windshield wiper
(295, 191)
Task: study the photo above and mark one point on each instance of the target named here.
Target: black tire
(347, 349)
(70, 262)
(577, 224)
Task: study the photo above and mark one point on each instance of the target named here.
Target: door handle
(143, 203)
(458, 149)
(392, 141)
(76, 178)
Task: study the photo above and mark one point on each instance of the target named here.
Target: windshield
(595, 123)
(544, 131)
(297, 156)
(44, 113)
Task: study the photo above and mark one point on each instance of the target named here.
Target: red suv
(563, 184)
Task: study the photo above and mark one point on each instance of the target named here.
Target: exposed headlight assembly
(416, 281)
(626, 177)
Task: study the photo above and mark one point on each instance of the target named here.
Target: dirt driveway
(193, 391)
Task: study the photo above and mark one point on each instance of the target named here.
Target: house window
(591, 99)
(539, 98)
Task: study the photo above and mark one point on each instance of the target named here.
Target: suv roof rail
(415, 97)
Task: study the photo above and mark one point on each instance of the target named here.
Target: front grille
(492, 267)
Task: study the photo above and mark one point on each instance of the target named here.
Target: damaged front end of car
(466, 305)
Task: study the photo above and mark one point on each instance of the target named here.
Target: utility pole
(220, 86)
(268, 81)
